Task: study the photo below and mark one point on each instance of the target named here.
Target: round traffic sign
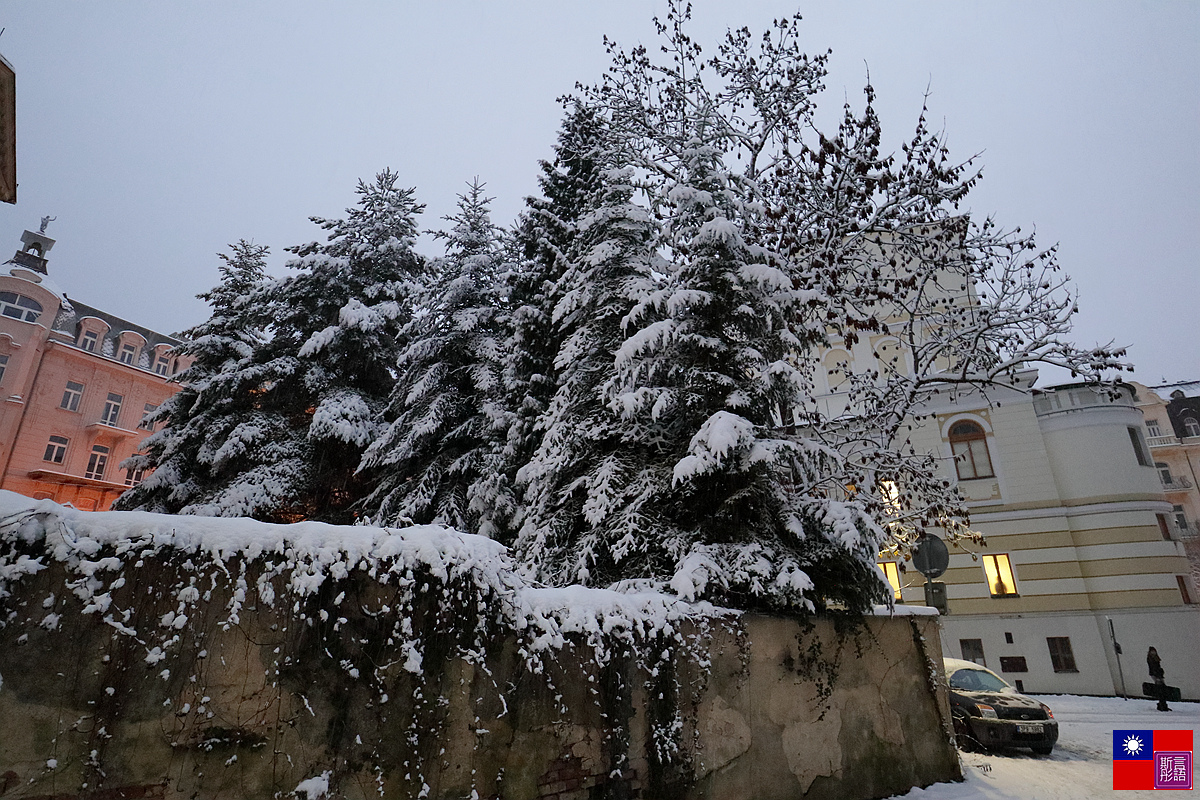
(930, 556)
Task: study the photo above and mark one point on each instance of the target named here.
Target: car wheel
(963, 737)
(1042, 749)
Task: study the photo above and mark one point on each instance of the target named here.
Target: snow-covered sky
(159, 132)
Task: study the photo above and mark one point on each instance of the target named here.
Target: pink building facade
(77, 384)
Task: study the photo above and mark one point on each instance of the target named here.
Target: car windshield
(977, 680)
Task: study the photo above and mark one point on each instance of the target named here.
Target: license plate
(1034, 728)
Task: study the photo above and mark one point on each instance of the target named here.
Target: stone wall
(756, 707)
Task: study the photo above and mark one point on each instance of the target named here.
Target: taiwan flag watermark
(1149, 759)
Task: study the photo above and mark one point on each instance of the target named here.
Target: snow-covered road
(1081, 765)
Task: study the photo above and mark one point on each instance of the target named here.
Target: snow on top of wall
(306, 554)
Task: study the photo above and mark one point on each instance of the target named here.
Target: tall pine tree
(446, 415)
(311, 393)
(579, 510)
(544, 238)
(214, 397)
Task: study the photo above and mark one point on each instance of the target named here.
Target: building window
(1008, 638)
(1164, 472)
(18, 306)
(1060, 653)
(134, 476)
(1191, 427)
(968, 442)
(1180, 518)
(836, 368)
(3, 366)
(972, 650)
(1139, 446)
(1152, 427)
(97, 461)
(892, 572)
(998, 570)
(71, 396)
(56, 450)
(88, 341)
(1013, 664)
(162, 365)
(146, 424)
(112, 409)
(1183, 589)
(128, 353)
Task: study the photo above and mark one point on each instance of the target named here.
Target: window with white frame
(162, 364)
(71, 396)
(146, 424)
(1152, 427)
(3, 366)
(1191, 427)
(112, 409)
(56, 449)
(128, 353)
(968, 442)
(134, 476)
(18, 306)
(97, 461)
(89, 341)
(1164, 472)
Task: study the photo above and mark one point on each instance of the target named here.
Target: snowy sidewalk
(1081, 765)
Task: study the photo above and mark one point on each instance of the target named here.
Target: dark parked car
(989, 713)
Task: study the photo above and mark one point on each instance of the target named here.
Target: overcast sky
(159, 132)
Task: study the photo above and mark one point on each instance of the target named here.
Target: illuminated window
(892, 573)
(1061, 655)
(97, 461)
(89, 340)
(998, 570)
(71, 396)
(968, 442)
(56, 450)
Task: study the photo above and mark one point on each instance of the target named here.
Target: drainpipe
(1112, 635)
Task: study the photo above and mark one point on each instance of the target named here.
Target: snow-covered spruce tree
(543, 239)
(583, 503)
(214, 397)
(443, 415)
(758, 493)
(320, 382)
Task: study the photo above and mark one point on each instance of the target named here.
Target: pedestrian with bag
(1160, 677)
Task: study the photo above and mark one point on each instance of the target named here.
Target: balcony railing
(1176, 483)
(1161, 441)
